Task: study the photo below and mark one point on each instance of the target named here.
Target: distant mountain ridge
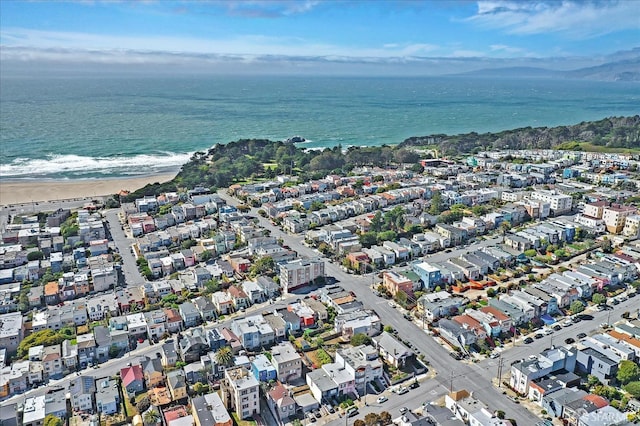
(622, 70)
(612, 132)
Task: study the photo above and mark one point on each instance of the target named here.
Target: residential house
(132, 379)
(82, 390)
(262, 369)
(281, 403)
(153, 372)
(177, 384)
(392, 350)
(193, 345)
(363, 363)
(239, 298)
(523, 373)
(223, 302)
(287, 362)
(107, 396)
(205, 307)
(208, 410)
(190, 314)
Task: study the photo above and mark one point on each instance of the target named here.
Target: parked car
(532, 357)
(402, 390)
(352, 411)
(329, 409)
(569, 340)
(538, 336)
(403, 410)
(382, 399)
(494, 355)
(581, 335)
(528, 340)
(414, 385)
(547, 331)
(316, 413)
(557, 327)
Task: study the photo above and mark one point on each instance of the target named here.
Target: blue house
(429, 274)
(262, 369)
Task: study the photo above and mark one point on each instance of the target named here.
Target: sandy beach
(18, 192)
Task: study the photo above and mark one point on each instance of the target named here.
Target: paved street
(123, 243)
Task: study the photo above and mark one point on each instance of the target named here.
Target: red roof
(596, 400)
(130, 374)
(497, 313)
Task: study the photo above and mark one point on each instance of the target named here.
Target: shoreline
(31, 191)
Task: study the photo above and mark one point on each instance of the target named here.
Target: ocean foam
(74, 165)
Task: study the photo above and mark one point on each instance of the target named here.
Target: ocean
(89, 127)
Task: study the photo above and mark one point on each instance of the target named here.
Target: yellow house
(153, 373)
(177, 384)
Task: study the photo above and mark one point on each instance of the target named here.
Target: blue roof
(547, 319)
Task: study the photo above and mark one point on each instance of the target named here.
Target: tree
(368, 239)
(262, 266)
(360, 339)
(388, 329)
(43, 337)
(598, 298)
(35, 255)
(52, 420)
(628, 371)
(359, 422)
(224, 356)
(437, 204)
(371, 419)
(200, 388)
(150, 417)
(385, 418)
(633, 388)
(143, 405)
(576, 307)
(113, 351)
(491, 292)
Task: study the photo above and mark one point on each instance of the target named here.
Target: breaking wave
(75, 166)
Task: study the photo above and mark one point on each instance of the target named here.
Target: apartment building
(300, 272)
(240, 392)
(614, 217)
(558, 203)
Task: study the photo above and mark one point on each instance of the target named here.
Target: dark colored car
(557, 328)
(569, 340)
(528, 340)
(538, 336)
(581, 335)
(414, 385)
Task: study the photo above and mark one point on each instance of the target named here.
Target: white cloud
(239, 45)
(580, 19)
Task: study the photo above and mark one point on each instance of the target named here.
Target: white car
(548, 331)
(382, 399)
(494, 355)
(532, 357)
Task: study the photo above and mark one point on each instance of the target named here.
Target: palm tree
(224, 355)
(150, 417)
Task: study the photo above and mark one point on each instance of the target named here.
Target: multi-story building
(363, 363)
(558, 203)
(208, 410)
(287, 362)
(240, 392)
(300, 272)
(614, 217)
(11, 331)
(632, 226)
(394, 283)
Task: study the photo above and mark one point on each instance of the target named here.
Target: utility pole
(451, 382)
(500, 364)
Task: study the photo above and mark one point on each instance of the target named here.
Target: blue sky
(561, 33)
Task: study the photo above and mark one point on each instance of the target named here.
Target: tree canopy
(360, 339)
(628, 371)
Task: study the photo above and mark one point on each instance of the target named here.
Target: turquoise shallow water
(110, 127)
